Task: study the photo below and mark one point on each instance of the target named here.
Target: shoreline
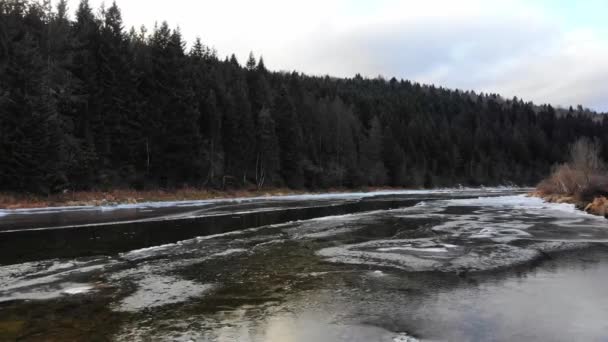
(15, 201)
(598, 206)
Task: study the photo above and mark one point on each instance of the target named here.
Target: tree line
(86, 104)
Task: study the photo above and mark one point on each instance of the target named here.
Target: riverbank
(597, 206)
(129, 196)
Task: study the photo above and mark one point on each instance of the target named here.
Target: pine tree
(239, 143)
(371, 155)
(180, 140)
(86, 113)
(251, 63)
(261, 66)
(211, 127)
(120, 139)
(267, 151)
(290, 139)
(30, 136)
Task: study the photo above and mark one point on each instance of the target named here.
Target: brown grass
(588, 191)
(583, 181)
(568, 181)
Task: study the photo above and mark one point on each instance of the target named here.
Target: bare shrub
(584, 176)
(596, 187)
(563, 180)
(585, 159)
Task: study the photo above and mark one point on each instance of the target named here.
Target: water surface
(468, 265)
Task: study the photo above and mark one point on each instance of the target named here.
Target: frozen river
(455, 265)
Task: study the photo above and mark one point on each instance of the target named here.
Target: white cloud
(513, 47)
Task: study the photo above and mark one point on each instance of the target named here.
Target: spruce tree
(267, 151)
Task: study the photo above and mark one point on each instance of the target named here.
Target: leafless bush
(585, 159)
(583, 176)
(597, 186)
(564, 180)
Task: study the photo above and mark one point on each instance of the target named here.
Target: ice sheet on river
(302, 197)
(48, 279)
(477, 234)
(462, 235)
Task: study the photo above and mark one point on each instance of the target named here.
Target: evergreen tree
(30, 139)
(371, 155)
(267, 151)
(212, 127)
(289, 139)
(83, 104)
(251, 63)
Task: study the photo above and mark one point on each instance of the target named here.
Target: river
(439, 265)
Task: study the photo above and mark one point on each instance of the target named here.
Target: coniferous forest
(88, 104)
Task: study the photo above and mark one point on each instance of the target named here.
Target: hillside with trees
(87, 104)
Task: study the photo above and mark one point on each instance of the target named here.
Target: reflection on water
(560, 300)
(440, 267)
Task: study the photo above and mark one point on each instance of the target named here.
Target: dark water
(471, 265)
(89, 231)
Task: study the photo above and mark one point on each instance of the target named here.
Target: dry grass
(568, 181)
(583, 181)
(584, 177)
(586, 192)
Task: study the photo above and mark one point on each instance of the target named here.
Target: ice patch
(328, 226)
(143, 253)
(521, 202)
(45, 279)
(484, 225)
(230, 252)
(403, 337)
(377, 273)
(509, 218)
(403, 255)
(181, 246)
(48, 291)
(510, 201)
(327, 233)
(303, 197)
(77, 290)
(351, 255)
(155, 291)
(414, 249)
(500, 235)
(491, 257)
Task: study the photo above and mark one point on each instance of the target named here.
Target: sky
(546, 51)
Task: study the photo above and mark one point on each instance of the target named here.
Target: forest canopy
(87, 104)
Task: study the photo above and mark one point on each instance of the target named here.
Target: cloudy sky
(548, 51)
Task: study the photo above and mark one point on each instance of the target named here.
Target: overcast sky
(548, 51)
